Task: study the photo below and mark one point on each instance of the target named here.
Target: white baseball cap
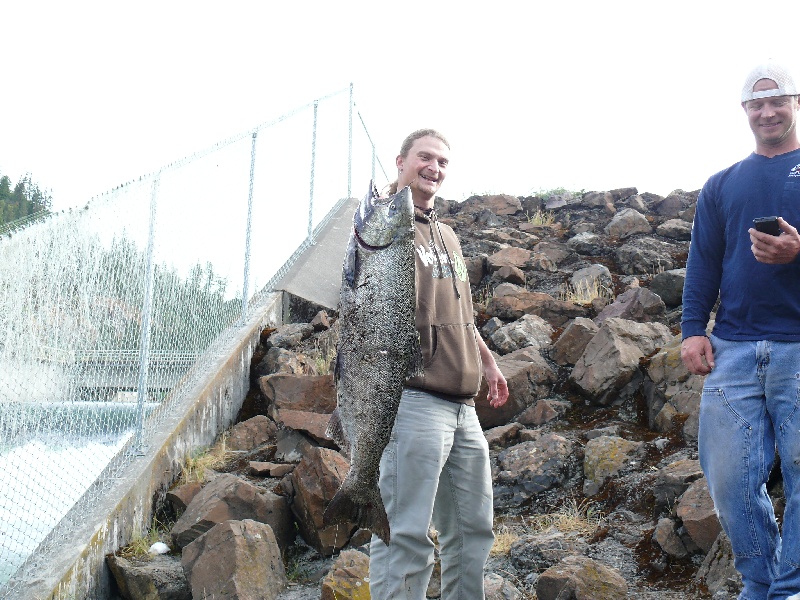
(769, 70)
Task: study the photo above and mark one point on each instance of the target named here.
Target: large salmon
(378, 350)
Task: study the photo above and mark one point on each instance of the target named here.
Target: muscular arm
(498, 388)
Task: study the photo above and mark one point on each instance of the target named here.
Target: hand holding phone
(767, 225)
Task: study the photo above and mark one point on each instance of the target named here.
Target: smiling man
(750, 405)
(435, 468)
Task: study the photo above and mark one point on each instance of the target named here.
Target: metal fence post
(147, 308)
(313, 165)
(350, 145)
(248, 230)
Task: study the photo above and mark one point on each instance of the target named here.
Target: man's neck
(782, 148)
(424, 202)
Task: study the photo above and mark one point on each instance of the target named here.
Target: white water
(46, 476)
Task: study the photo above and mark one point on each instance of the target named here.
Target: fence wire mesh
(107, 310)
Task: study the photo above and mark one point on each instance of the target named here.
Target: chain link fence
(107, 310)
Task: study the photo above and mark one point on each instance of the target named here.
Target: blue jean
(434, 469)
(750, 407)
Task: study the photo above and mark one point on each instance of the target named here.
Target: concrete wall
(76, 566)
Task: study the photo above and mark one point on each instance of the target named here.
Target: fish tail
(343, 508)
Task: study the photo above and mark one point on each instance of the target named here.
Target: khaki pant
(434, 469)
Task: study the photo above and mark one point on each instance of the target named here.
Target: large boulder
(235, 559)
(628, 222)
(158, 577)
(604, 458)
(637, 304)
(226, 498)
(315, 481)
(644, 255)
(515, 304)
(532, 467)
(528, 330)
(581, 578)
(529, 377)
(612, 357)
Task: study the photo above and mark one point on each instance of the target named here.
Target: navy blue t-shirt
(757, 301)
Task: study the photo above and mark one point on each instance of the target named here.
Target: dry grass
(581, 518)
(140, 544)
(214, 458)
(541, 217)
(324, 359)
(586, 291)
(483, 295)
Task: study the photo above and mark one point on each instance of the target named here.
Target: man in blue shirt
(750, 404)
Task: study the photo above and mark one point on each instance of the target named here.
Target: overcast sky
(532, 95)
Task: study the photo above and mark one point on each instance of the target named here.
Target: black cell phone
(767, 225)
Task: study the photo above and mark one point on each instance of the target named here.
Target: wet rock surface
(597, 486)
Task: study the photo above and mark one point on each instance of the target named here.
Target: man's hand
(775, 250)
(498, 388)
(697, 354)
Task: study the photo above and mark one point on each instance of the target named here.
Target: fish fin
(371, 515)
(416, 362)
(350, 267)
(335, 431)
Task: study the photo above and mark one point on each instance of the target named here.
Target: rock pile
(597, 485)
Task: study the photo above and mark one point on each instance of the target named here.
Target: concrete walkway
(316, 275)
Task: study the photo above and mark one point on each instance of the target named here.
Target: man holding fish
(435, 468)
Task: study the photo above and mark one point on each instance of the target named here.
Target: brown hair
(405, 147)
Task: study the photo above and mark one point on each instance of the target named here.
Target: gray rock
(674, 479)
(570, 345)
(290, 336)
(581, 578)
(666, 536)
(611, 358)
(150, 578)
(669, 286)
(605, 457)
(593, 275)
(532, 467)
(644, 255)
(528, 380)
(718, 572)
(637, 304)
(529, 330)
(626, 223)
(587, 243)
(677, 229)
(496, 587)
(540, 551)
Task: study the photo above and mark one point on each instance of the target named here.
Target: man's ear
(399, 161)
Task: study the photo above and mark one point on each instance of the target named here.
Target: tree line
(23, 199)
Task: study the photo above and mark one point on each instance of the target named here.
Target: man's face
(424, 167)
(772, 120)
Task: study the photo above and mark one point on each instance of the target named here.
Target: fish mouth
(367, 246)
